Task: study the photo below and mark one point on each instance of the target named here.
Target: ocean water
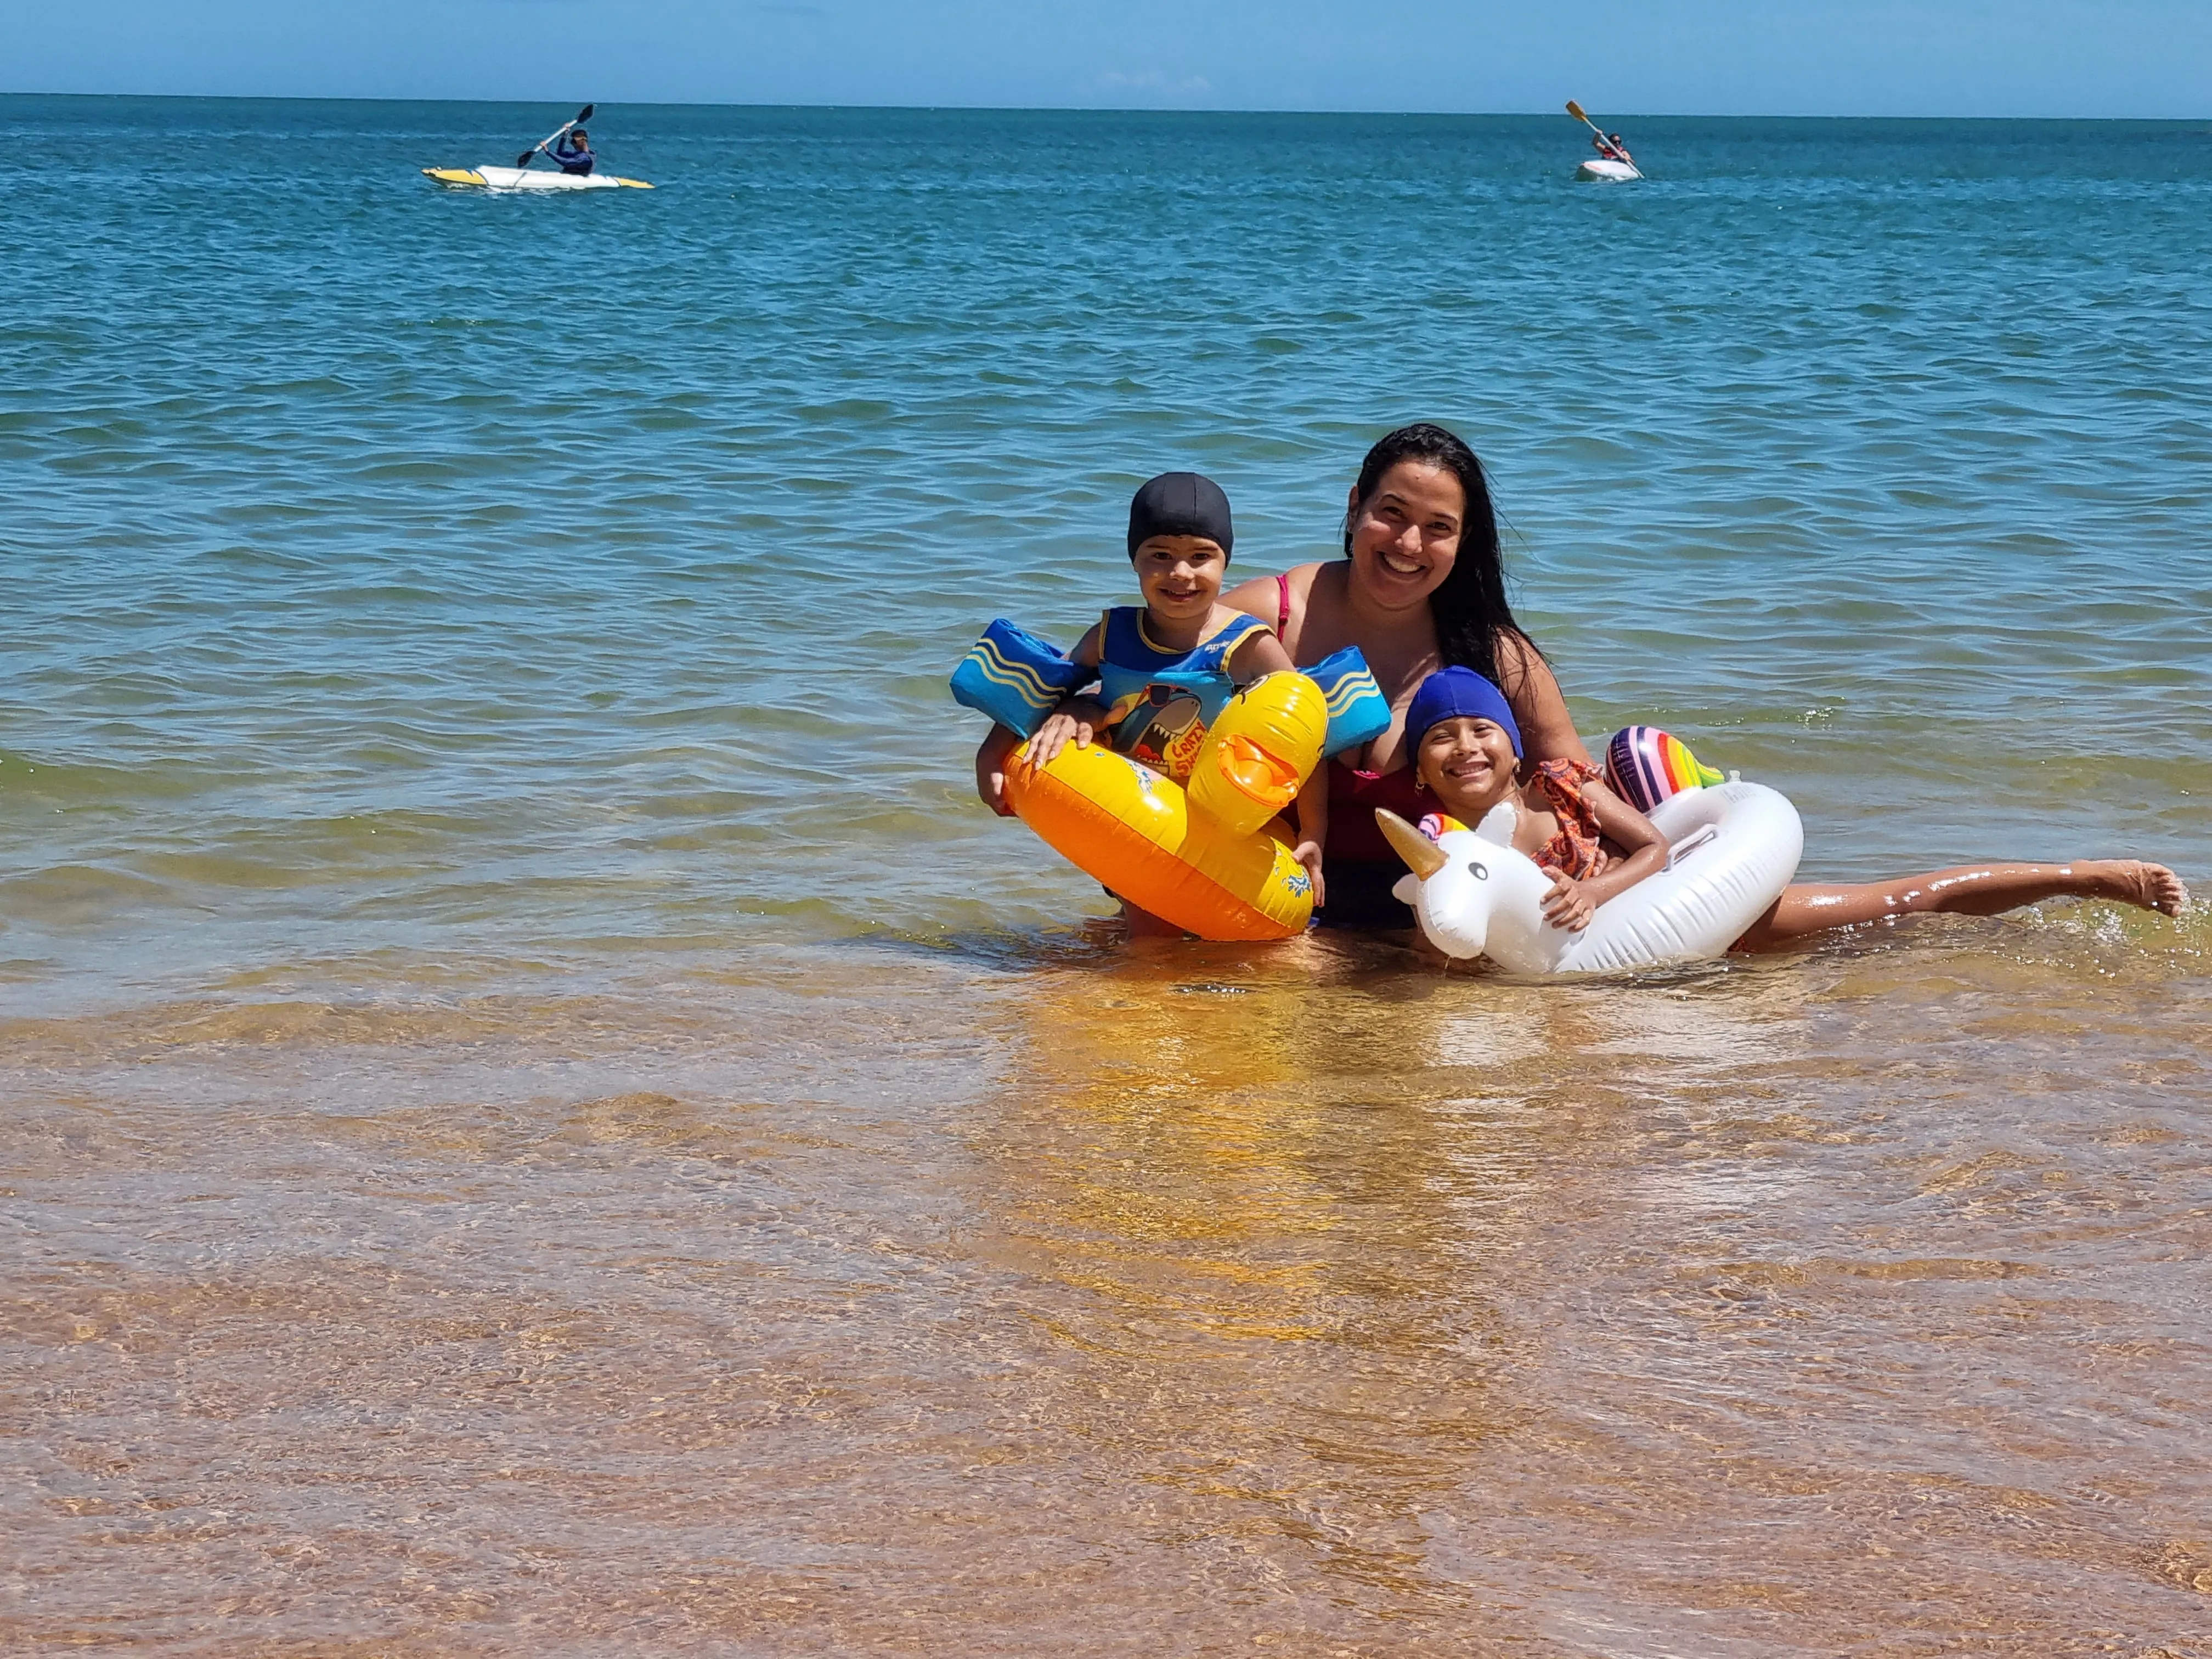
(537, 1114)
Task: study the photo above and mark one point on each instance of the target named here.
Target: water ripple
(1873, 460)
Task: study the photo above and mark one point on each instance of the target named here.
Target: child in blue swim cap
(1466, 752)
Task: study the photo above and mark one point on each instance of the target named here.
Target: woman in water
(1420, 587)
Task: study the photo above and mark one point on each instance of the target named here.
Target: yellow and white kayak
(527, 179)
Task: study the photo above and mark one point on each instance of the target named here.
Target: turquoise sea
(539, 1114)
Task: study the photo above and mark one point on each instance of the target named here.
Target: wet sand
(889, 1298)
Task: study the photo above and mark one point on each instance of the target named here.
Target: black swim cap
(1179, 504)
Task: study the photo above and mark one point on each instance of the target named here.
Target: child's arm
(1261, 653)
(1571, 903)
(991, 769)
(1076, 717)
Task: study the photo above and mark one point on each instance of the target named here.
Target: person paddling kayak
(570, 146)
(1610, 146)
(573, 153)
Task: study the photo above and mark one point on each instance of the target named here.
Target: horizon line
(1102, 109)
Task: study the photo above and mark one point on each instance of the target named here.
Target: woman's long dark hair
(1469, 605)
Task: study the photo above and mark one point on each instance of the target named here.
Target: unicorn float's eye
(1480, 873)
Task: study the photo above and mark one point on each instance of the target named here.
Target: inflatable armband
(1357, 710)
(1014, 678)
(1017, 679)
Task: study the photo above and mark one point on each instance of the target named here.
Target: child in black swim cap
(1182, 650)
(1166, 668)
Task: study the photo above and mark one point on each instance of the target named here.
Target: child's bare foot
(2146, 886)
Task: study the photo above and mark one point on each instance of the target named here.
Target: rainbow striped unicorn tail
(1645, 766)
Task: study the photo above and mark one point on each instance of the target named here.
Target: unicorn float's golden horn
(1423, 856)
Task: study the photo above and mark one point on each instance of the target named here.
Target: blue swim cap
(1450, 693)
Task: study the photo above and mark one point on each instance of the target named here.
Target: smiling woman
(1421, 586)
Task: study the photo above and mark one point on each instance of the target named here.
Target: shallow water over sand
(1844, 1304)
(524, 1127)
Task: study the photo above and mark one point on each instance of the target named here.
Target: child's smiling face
(1180, 575)
(1468, 762)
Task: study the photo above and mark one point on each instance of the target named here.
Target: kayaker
(1610, 147)
(574, 152)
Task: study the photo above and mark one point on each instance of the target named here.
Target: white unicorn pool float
(1733, 848)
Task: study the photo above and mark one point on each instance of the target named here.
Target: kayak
(1611, 172)
(524, 178)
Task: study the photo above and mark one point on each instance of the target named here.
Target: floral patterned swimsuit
(1574, 852)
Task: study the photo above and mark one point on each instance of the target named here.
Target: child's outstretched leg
(1967, 889)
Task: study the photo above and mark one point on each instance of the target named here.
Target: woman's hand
(1567, 906)
(1308, 853)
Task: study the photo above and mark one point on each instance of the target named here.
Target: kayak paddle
(1576, 110)
(582, 116)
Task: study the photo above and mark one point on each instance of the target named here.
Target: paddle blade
(523, 160)
(584, 114)
(1576, 110)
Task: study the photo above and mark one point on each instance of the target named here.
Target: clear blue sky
(2089, 57)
